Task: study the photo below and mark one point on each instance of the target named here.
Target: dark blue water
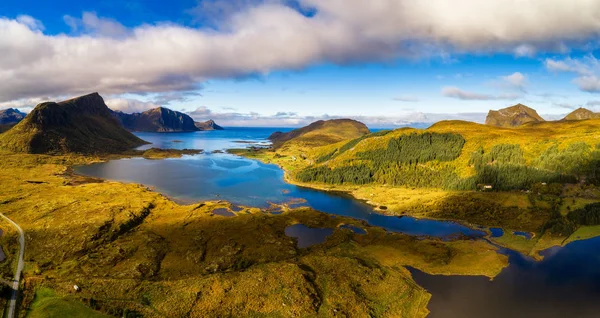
(496, 231)
(246, 182)
(307, 236)
(565, 284)
(223, 212)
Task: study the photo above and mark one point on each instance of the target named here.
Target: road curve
(15, 283)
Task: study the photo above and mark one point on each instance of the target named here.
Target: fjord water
(566, 283)
(221, 176)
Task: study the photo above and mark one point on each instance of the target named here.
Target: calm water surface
(565, 284)
(213, 176)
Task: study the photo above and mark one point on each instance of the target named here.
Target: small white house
(76, 288)
(487, 187)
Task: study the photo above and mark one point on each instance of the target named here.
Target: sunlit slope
(460, 155)
(134, 251)
(320, 133)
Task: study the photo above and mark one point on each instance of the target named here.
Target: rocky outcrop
(512, 116)
(581, 114)
(208, 125)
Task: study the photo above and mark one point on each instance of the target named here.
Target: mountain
(512, 116)
(11, 116)
(320, 133)
(581, 114)
(208, 125)
(158, 119)
(81, 125)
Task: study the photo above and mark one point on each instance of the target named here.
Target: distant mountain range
(9, 118)
(162, 119)
(79, 125)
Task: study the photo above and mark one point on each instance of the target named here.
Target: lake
(222, 176)
(565, 284)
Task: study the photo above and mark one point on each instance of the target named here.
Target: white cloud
(92, 24)
(294, 120)
(129, 105)
(587, 69)
(516, 80)
(102, 55)
(406, 98)
(593, 103)
(565, 105)
(31, 22)
(455, 92)
(25, 104)
(525, 50)
(588, 83)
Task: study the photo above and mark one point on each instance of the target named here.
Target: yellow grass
(134, 250)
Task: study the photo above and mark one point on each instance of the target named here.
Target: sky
(388, 63)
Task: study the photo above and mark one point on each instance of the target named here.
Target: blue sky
(286, 63)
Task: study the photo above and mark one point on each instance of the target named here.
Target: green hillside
(319, 133)
(79, 125)
(458, 155)
(537, 177)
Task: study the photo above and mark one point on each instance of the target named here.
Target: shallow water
(248, 182)
(223, 212)
(307, 236)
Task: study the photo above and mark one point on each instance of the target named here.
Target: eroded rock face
(512, 116)
(581, 114)
(81, 125)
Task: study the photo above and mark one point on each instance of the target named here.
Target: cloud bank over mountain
(263, 36)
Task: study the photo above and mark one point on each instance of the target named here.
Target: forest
(426, 160)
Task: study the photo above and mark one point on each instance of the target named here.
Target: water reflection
(565, 284)
(307, 236)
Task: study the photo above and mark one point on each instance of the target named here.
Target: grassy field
(47, 304)
(132, 250)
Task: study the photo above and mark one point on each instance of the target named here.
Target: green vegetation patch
(359, 174)
(47, 304)
(588, 215)
(351, 144)
(499, 154)
(418, 148)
